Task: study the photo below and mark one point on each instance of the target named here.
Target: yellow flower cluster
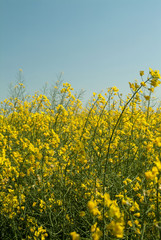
(72, 172)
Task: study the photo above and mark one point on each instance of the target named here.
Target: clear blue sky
(96, 43)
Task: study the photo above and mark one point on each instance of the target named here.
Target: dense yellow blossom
(69, 171)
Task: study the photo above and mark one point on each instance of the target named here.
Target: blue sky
(96, 43)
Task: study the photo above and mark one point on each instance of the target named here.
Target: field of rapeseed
(74, 172)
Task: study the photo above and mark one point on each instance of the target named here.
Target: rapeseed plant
(74, 172)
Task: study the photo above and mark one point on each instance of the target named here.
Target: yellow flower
(93, 227)
(39, 156)
(158, 164)
(155, 82)
(137, 214)
(154, 73)
(136, 86)
(115, 89)
(137, 223)
(132, 86)
(67, 217)
(117, 229)
(143, 84)
(136, 205)
(124, 202)
(107, 200)
(129, 223)
(82, 213)
(158, 141)
(96, 212)
(146, 97)
(75, 236)
(97, 234)
(141, 73)
(91, 205)
(34, 204)
(150, 175)
(114, 210)
(138, 230)
(138, 178)
(155, 171)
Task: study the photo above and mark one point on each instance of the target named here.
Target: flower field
(81, 173)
